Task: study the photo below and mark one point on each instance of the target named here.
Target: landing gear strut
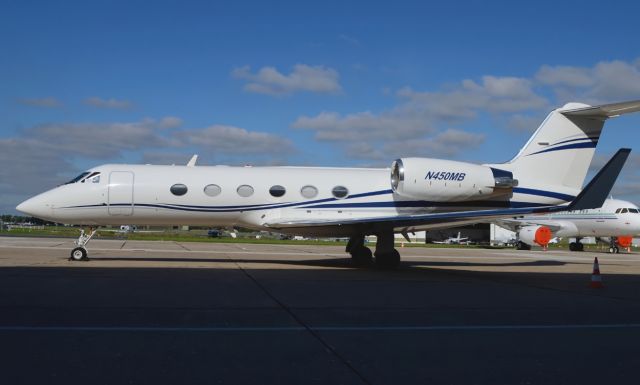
(613, 246)
(360, 254)
(79, 253)
(387, 256)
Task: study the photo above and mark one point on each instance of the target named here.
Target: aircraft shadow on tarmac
(331, 262)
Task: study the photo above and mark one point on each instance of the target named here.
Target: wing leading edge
(592, 196)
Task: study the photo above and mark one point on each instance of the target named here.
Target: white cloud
(303, 78)
(49, 102)
(336, 127)
(418, 116)
(606, 82)
(235, 141)
(108, 103)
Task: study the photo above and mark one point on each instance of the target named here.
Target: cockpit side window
(79, 177)
(635, 211)
(624, 211)
(618, 211)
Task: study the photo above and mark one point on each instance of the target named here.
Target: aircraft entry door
(120, 193)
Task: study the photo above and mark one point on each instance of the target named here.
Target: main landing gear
(386, 256)
(576, 246)
(79, 253)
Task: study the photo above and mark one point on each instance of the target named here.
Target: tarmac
(194, 313)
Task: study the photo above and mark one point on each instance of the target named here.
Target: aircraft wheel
(522, 246)
(572, 246)
(78, 254)
(389, 260)
(361, 257)
(613, 250)
(616, 250)
(580, 246)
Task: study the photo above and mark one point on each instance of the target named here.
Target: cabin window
(178, 189)
(212, 190)
(277, 191)
(309, 192)
(245, 190)
(340, 192)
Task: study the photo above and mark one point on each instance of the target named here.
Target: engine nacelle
(624, 240)
(448, 181)
(535, 235)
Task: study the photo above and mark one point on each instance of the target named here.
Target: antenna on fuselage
(193, 160)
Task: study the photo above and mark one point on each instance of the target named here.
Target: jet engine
(448, 181)
(538, 235)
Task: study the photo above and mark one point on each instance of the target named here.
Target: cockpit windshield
(94, 177)
(627, 210)
(78, 178)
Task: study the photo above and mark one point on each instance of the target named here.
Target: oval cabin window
(309, 192)
(212, 190)
(245, 190)
(178, 189)
(340, 192)
(277, 191)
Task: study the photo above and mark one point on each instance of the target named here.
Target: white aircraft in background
(454, 240)
(616, 222)
(414, 194)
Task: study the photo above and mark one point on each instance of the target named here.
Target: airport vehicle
(454, 240)
(414, 194)
(616, 222)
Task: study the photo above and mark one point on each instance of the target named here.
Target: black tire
(580, 246)
(522, 246)
(616, 250)
(361, 257)
(573, 246)
(78, 254)
(390, 260)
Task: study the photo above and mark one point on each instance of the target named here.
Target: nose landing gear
(79, 253)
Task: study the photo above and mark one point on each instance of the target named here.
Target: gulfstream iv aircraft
(415, 193)
(616, 222)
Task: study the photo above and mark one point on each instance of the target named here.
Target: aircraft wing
(516, 224)
(592, 196)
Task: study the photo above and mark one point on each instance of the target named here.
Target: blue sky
(301, 83)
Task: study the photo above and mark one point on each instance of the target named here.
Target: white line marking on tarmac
(317, 328)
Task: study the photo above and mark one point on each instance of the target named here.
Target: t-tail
(555, 160)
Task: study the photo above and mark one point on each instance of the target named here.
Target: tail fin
(559, 152)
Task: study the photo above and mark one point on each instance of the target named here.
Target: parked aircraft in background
(616, 222)
(454, 240)
(414, 194)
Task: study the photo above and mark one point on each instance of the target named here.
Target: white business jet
(414, 194)
(614, 221)
(454, 240)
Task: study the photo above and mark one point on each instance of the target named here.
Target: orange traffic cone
(596, 279)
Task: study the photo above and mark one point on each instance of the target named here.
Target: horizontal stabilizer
(597, 191)
(605, 111)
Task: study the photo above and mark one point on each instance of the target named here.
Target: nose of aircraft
(35, 207)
